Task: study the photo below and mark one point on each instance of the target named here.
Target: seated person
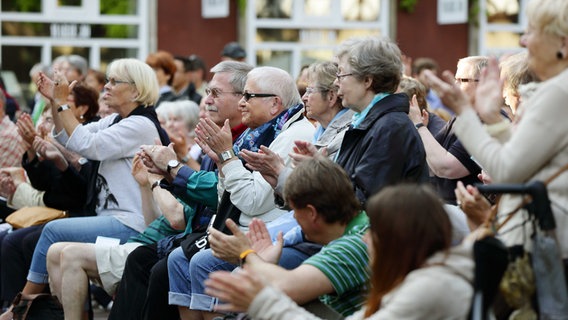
(414, 272)
(273, 114)
(70, 264)
(325, 206)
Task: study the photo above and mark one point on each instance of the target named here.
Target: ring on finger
(208, 138)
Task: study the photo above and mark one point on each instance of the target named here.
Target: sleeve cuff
(179, 185)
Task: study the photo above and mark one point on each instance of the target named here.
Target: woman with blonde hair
(538, 147)
(131, 91)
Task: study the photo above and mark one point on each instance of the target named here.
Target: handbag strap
(526, 200)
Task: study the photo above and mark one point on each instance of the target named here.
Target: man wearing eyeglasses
(142, 292)
(272, 109)
(448, 160)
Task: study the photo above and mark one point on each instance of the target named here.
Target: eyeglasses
(113, 82)
(249, 95)
(339, 76)
(217, 92)
(310, 90)
(465, 80)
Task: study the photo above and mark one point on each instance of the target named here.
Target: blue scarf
(263, 135)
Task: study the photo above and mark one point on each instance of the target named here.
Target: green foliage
(242, 6)
(408, 5)
(21, 5)
(118, 7)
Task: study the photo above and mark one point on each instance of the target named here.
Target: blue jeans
(83, 229)
(187, 277)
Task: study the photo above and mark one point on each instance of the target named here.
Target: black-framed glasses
(340, 76)
(250, 95)
(217, 92)
(466, 80)
(113, 82)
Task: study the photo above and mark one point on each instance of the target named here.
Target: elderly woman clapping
(131, 90)
(538, 148)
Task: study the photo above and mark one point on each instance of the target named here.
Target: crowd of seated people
(354, 199)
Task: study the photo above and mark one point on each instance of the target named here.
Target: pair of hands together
(239, 288)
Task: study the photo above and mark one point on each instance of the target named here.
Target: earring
(559, 55)
(81, 117)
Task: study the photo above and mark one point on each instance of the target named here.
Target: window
(501, 24)
(289, 34)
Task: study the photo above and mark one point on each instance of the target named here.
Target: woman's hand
(304, 150)
(50, 152)
(237, 289)
(473, 204)
(450, 93)
(489, 93)
(17, 174)
(26, 128)
(7, 185)
(265, 161)
(140, 171)
(414, 113)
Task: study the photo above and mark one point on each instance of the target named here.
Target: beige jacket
(535, 151)
(442, 290)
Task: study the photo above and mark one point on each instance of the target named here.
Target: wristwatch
(419, 125)
(172, 164)
(63, 108)
(226, 155)
(82, 161)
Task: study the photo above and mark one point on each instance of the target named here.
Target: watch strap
(63, 108)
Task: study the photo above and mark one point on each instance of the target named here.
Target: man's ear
(314, 215)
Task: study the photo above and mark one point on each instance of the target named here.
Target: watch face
(173, 163)
(226, 155)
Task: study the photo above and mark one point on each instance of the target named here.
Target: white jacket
(249, 191)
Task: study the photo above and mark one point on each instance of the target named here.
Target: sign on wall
(215, 8)
(452, 11)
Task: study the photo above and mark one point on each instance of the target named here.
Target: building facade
(283, 33)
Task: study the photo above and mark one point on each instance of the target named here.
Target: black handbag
(41, 306)
(198, 241)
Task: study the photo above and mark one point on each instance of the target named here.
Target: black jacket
(384, 149)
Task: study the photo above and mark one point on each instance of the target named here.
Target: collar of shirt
(358, 117)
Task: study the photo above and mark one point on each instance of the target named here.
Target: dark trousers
(143, 290)
(16, 256)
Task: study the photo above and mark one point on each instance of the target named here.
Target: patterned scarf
(252, 139)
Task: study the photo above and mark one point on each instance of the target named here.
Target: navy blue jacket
(384, 149)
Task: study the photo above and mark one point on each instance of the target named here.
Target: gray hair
(187, 110)
(324, 74)
(78, 63)
(378, 58)
(39, 67)
(478, 63)
(140, 75)
(238, 71)
(276, 81)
